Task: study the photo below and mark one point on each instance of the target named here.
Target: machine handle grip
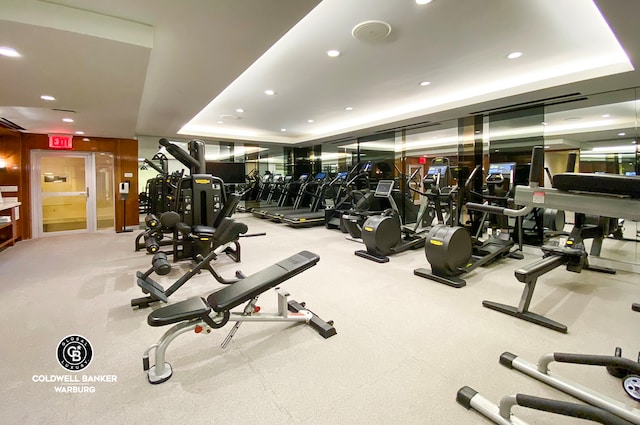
(595, 360)
(537, 166)
(574, 410)
(491, 209)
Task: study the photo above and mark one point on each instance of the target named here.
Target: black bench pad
(193, 308)
(612, 184)
(251, 286)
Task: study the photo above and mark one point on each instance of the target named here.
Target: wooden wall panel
(11, 153)
(18, 147)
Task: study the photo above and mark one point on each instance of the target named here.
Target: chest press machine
(585, 194)
(202, 315)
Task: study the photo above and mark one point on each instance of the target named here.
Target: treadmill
(313, 215)
(292, 196)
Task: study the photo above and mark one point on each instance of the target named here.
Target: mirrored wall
(600, 129)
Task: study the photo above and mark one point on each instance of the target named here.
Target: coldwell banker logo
(74, 353)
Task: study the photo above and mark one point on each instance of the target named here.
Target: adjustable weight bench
(200, 315)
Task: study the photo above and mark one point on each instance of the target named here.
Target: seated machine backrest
(201, 198)
(228, 209)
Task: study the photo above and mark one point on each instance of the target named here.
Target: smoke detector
(371, 31)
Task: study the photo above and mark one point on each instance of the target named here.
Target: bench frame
(287, 311)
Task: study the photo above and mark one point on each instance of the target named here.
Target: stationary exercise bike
(452, 251)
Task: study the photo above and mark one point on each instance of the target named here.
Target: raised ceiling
(166, 68)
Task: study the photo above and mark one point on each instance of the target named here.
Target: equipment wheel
(631, 385)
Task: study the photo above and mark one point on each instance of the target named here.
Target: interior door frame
(36, 191)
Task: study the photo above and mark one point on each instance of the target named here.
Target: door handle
(87, 191)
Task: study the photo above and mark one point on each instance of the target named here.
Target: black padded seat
(612, 184)
(193, 308)
(252, 286)
(204, 230)
(229, 230)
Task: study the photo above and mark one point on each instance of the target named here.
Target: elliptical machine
(384, 234)
(452, 251)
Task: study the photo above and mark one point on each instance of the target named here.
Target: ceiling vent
(555, 100)
(10, 124)
(371, 31)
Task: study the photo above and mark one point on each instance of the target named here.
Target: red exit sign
(58, 141)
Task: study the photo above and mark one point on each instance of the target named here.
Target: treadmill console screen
(367, 167)
(320, 176)
(502, 168)
(384, 188)
(437, 169)
(303, 177)
(342, 175)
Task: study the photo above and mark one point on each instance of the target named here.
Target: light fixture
(423, 1)
(47, 97)
(348, 108)
(269, 92)
(67, 119)
(239, 110)
(9, 52)
(86, 139)
(3, 165)
(220, 122)
(283, 129)
(310, 121)
(79, 133)
(614, 149)
(606, 116)
(333, 53)
(514, 55)
(633, 142)
(622, 133)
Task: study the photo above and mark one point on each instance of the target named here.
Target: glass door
(63, 195)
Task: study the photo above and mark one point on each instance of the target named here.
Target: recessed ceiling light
(333, 53)
(622, 133)
(514, 55)
(269, 92)
(47, 97)
(633, 142)
(543, 123)
(86, 139)
(348, 108)
(79, 133)
(425, 83)
(220, 122)
(283, 129)
(423, 1)
(67, 119)
(310, 121)
(606, 116)
(8, 51)
(240, 110)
